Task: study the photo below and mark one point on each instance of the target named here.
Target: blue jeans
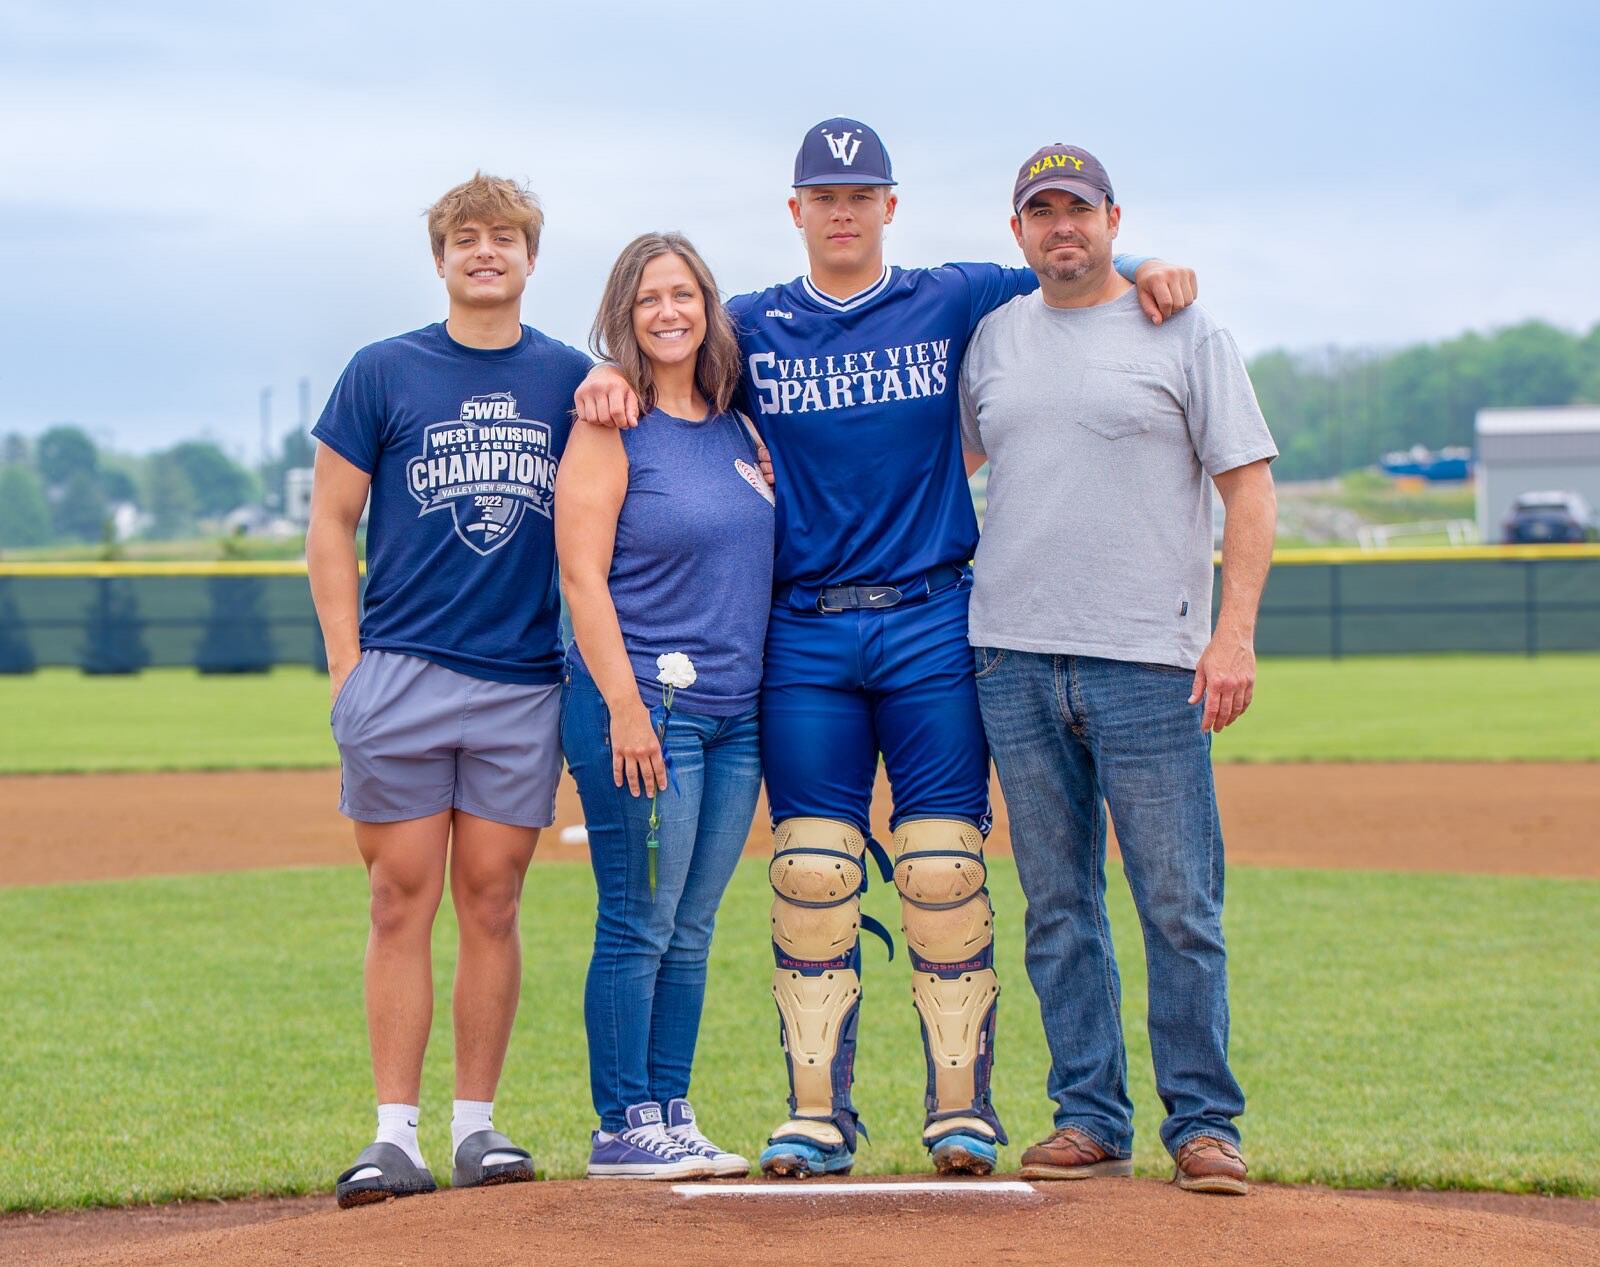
(1071, 735)
(647, 977)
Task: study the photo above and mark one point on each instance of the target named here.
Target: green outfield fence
(247, 617)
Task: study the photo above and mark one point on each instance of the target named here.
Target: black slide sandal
(398, 1177)
(470, 1172)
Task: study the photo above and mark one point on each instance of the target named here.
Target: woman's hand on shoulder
(635, 750)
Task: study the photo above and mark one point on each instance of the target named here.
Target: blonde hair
(716, 369)
(491, 200)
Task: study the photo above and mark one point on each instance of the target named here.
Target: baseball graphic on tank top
(755, 479)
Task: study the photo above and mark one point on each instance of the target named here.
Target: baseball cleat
(963, 1155)
(803, 1158)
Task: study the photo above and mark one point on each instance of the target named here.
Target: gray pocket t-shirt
(1102, 431)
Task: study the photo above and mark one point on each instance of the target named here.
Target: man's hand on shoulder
(1226, 677)
(1164, 289)
(605, 399)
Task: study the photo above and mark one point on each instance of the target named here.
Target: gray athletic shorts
(415, 738)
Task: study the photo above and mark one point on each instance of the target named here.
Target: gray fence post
(1530, 607)
(1335, 614)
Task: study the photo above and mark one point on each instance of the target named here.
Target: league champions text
(488, 466)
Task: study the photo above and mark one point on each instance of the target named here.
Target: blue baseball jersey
(856, 399)
(462, 445)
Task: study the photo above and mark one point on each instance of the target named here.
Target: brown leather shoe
(1070, 1154)
(1207, 1164)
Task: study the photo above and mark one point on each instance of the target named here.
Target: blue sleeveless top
(692, 567)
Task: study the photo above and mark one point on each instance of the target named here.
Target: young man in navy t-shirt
(445, 681)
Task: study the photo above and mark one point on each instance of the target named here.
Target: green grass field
(203, 1036)
(1447, 708)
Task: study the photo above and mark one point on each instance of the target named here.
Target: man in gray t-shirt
(1099, 676)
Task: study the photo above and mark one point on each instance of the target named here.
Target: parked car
(1547, 517)
(1443, 466)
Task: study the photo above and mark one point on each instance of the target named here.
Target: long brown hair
(716, 368)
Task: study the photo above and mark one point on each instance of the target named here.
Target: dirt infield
(1106, 1221)
(1503, 819)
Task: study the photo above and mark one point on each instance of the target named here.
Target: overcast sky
(197, 201)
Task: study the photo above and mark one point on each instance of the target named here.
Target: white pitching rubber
(943, 1188)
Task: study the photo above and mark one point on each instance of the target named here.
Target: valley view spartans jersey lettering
(462, 445)
(857, 401)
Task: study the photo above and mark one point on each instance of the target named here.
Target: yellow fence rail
(1280, 558)
(110, 570)
(241, 615)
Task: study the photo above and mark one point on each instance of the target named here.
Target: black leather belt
(840, 598)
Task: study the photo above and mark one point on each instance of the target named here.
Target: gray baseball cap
(1063, 167)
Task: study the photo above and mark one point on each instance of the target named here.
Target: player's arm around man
(606, 399)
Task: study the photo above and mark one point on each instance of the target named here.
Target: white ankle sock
(468, 1118)
(397, 1125)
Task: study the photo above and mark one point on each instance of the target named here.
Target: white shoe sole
(670, 1170)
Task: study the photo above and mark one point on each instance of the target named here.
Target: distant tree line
(1331, 411)
(1339, 410)
(62, 487)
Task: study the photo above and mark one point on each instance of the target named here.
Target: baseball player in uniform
(850, 372)
(446, 673)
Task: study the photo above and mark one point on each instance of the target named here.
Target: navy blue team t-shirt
(462, 445)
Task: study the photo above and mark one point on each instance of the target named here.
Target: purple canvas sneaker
(683, 1131)
(644, 1150)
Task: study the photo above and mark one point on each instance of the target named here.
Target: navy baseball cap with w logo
(842, 152)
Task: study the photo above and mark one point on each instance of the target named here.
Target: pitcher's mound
(1112, 1221)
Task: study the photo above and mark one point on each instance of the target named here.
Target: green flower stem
(652, 845)
(652, 841)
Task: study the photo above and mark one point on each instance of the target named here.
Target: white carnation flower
(677, 670)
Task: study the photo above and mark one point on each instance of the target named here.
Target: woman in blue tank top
(665, 539)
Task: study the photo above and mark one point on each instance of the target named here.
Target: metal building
(1534, 450)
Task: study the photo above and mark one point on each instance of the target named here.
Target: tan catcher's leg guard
(818, 872)
(939, 870)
